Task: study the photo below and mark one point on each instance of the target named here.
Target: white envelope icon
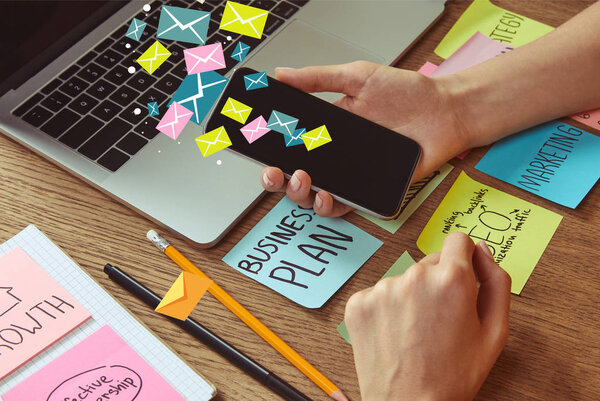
(186, 32)
(240, 113)
(238, 55)
(276, 124)
(255, 82)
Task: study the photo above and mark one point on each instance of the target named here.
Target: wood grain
(553, 352)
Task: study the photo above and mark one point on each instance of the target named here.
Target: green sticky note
(416, 195)
(494, 22)
(404, 262)
(516, 231)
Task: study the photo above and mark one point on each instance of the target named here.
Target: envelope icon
(242, 19)
(184, 294)
(213, 141)
(295, 138)
(316, 137)
(174, 120)
(198, 93)
(256, 81)
(236, 110)
(136, 28)
(204, 58)
(240, 51)
(152, 58)
(255, 129)
(282, 123)
(153, 109)
(183, 24)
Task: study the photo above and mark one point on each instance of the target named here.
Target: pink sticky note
(174, 120)
(590, 118)
(35, 311)
(427, 69)
(255, 129)
(204, 58)
(101, 367)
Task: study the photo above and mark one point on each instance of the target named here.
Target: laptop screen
(36, 31)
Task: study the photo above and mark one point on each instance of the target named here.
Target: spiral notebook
(104, 310)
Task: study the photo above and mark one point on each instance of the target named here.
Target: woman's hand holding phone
(404, 101)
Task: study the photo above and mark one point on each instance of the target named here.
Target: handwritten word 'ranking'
(301, 255)
(553, 160)
(516, 231)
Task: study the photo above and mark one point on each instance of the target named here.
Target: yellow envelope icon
(236, 110)
(213, 141)
(316, 137)
(153, 58)
(245, 20)
(184, 294)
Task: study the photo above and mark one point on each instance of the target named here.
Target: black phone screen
(365, 164)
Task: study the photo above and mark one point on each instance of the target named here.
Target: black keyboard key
(125, 45)
(109, 59)
(81, 132)
(273, 23)
(180, 70)
(113, 159)
(148, 128)
(87, 58)
(169, 83)
(285, 10)
(163, 69)
(152, 95)
(105, 138)
(60, 123)
(217, 15)
(196, 5)
(56, 101)
(119, 33)
(177, 3)
(107, 110)
(132, 143)
(32, 101)
(141, 81)
(91, 72)
(117, 75)
(83, 104)
(69, 72)
(213, 27)
(134, 113)
(105, 44)
(74, 86)
(218, 38)
(37, 116)
(299, 3)
(51, 86)
(124, 96)
(264, 4)
(152, 19)
(176, 51)
(101, 89)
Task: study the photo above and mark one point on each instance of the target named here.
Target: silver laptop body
(169, 181)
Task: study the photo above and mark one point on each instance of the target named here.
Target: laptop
(71, 90)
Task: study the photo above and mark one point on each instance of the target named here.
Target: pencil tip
(338, 395)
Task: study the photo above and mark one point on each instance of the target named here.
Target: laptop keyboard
(94, 105)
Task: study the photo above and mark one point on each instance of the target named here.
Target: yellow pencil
(310, 371)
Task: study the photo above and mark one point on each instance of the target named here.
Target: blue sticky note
(183, 24)
(256, 81)
(153, 109)
(135, 30)
(198, 93)
(240, 51)
(554, 160)
(302, 256)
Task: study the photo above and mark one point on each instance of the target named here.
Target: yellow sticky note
(494, 22)
(153, 58)
(184, 294)
(235, 110)
(243, 19)
(516, 231)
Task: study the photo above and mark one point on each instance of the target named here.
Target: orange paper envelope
(183, 295)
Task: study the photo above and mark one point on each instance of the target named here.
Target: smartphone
(366, 166)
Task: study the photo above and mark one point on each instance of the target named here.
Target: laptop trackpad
(299, 45)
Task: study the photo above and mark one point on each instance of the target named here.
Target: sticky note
(554, 160)
(427, 68)
(493, 21)
(184, 294)
(101, 367)
(302, 256)
(35, 311)
(415, 196)
(399, 267)
(516, 231)
(590, 118)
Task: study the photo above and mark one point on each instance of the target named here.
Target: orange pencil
(271, 338)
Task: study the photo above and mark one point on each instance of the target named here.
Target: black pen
(210, 339)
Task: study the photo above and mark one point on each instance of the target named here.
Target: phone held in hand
(358, 162)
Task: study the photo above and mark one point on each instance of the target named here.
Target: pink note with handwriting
(35, 311)
(590, 118)
(101, 367)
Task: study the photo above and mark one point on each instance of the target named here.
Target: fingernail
(294, 183)
(486, 249)
(318, 201)
(266, 180)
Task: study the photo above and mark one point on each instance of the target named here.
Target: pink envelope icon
(255, 129)
(174, 120)
(204, 58)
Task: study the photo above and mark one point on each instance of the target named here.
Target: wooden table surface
(553, 352)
